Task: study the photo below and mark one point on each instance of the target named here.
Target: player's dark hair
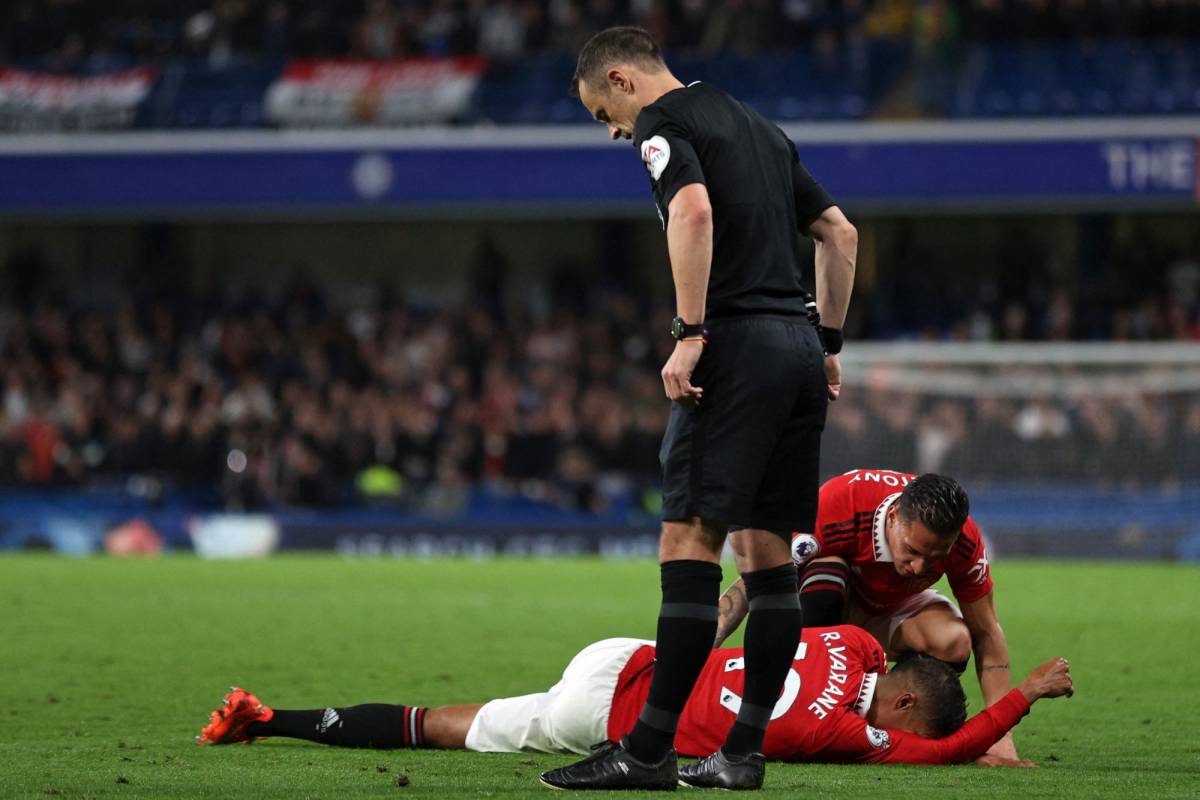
(938, 502)
(942, 704)
(626, 44)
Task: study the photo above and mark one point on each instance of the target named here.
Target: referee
(750, 378)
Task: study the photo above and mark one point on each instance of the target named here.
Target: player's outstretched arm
(968, 743)
(992, 668)
(734, 607)
(1051, 679)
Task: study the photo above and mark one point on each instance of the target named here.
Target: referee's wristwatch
(684, 332)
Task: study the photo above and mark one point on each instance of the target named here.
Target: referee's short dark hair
(937, 502)
(626, 44)
(942, 703)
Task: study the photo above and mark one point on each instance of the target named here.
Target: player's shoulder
(859, 490)
(857, 639)
(866, 479)
(837, 491)
(969, 546)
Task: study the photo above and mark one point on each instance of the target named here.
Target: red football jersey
(820, 715)
(850, 524)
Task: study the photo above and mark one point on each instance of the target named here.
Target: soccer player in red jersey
(882, 539)
(839, 704)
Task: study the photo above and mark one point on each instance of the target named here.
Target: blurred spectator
(378, 34)
(290, 399)
(501, 30)
(69, 35)
(935, 43)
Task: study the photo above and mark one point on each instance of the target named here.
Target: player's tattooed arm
(987, 667)
(734, 607)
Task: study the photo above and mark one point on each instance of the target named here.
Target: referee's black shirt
(759, 191)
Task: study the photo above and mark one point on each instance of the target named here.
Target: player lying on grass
(882, 539)
(839, 704)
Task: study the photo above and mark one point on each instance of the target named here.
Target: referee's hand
(677, 374)
(833, 376)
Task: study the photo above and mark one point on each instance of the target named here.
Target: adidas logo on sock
(328, 719)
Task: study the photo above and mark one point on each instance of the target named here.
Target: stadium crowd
(286, 400)
(69, 35)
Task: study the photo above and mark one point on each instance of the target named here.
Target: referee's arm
(836, 251)
(690, 244)
(836, 241)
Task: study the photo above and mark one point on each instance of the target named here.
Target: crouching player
(839, 704)
(882, 539)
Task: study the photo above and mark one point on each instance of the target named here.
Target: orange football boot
(228, 724)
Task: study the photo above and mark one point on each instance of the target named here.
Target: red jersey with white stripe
(821, 713)
(850, 524)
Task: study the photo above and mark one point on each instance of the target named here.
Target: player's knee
(954, 647)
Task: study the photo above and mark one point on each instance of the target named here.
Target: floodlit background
(360, 276)
(355, 285)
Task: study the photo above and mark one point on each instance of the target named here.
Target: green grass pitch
(108, 669)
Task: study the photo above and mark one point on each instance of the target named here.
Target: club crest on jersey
(804, 547)
(655, 154)
(878, 738)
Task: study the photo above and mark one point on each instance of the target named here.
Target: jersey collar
(883, 551)
(866, 694)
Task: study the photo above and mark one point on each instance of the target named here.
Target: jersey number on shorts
(791, 686)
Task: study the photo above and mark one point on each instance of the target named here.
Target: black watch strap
(683, 331)
(831, 340)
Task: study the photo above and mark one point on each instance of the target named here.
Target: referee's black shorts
(748, 454)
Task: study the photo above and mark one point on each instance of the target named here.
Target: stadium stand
(334, 404)
(841, 59)
(122, 399)
(1118, 78)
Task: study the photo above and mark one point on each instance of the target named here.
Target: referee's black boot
(613, 768)
(720, 771)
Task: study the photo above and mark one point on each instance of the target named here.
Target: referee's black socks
(772, 636)
(375, 725)
(687, 624)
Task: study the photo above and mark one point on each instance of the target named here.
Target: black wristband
(682, 331)
(831, 340)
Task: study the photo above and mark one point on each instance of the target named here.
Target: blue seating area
(1120, 78)
(849, 83)
(192, 94)
(790, 85)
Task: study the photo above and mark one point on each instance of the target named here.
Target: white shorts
(569, 718)
(883, 625)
